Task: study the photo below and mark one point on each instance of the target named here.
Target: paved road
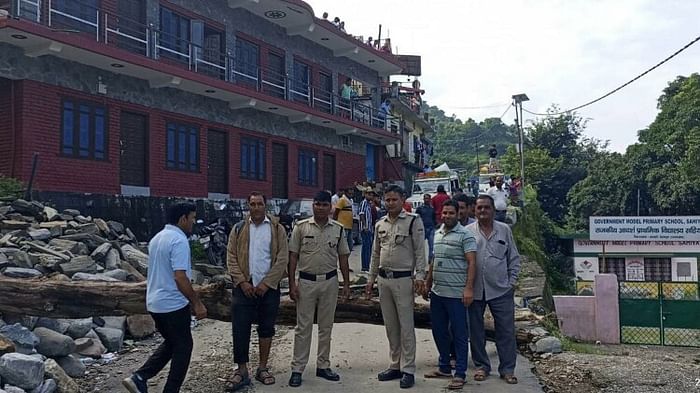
(360, 351)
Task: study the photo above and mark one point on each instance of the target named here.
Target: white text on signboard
(645, 228)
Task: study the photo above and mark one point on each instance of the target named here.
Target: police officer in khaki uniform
(317, 245)
(399, 250)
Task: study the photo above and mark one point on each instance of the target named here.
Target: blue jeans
(503, 311)
(348, 237)
(367, 240)
(430, 237)
(449, 325)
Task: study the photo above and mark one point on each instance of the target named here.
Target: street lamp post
(518, 100)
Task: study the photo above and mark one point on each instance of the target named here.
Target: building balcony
(77, 32)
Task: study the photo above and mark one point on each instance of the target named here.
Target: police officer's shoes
(327, 373)
(407, 381)
(295, 380)
(389, 374)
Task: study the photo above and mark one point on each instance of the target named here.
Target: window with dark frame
(253, 158)
(308, 167)
(246, 62)
(182, 149)
(84, 130)
(174, 34)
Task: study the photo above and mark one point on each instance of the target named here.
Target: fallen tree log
(80, 299)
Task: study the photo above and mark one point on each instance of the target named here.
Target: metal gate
(660, 313)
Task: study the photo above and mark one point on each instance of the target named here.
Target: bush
(10, 188)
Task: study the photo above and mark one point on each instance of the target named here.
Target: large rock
(117, 274)
(14, 224)
(548, 345)
(112, 260)
(22, 272)
(74, 247)
(13, 389)
(114, 322)
(48, 386)
(39, 234)
(71, 212)
(78, 328)
(116, 227)
(140, 326)
(64, 383)
(52, 344)
(21, 370)
(101, 252)
(25, 320)
(51, 214)
(88, 228)
(17, 257)
(45, 261)
(136, 258)
(72, 366)
(25, 341)
(80, 264)
(57, 325)
(92, 277)
(6, 345)
(27, 208)
(134, 274)
(90, 347)
(112, 339)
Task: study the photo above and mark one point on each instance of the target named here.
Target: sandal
(510, 379)
(456, 383)
(263, 376)
(237, 382)
(480, 375)
(437, 374)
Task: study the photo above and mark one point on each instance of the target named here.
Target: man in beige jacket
(257, 261)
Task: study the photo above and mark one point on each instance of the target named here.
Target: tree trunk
(79, 299)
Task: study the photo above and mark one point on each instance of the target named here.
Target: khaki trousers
(396, 300)
(318, 297)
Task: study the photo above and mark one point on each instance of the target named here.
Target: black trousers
(245, 312)
(176, 348)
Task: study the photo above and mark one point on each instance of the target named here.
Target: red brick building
(188, 98)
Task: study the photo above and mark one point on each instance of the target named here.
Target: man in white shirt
(500, 197)
(257, 261)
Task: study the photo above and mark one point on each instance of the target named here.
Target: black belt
(394, 274)
(314, 277)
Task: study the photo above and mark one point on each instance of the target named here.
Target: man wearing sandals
(257, 261)
(399, 250)
(451, 285)
(316, 248)
(498, 265)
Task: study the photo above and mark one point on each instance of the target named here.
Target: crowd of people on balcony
(377, 44)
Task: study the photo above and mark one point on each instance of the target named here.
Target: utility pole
(518, 104)
(476, 146)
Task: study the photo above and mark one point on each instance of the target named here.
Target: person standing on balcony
(367, 220)
(171, 300)
(343, 214)
(257, 257)
(497, 268)
(397, 257)
(317, 247)
(348, 92)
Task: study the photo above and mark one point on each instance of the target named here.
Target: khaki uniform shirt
(397, 246)
(318, 247)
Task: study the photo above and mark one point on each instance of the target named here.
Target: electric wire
(619, 87)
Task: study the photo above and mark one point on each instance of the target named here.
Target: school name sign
(681, 228)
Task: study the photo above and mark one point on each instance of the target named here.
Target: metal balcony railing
(136, 37)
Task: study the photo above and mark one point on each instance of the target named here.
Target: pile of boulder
(37, 240)
(43, 355)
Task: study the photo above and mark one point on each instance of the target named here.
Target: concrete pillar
(607, 306)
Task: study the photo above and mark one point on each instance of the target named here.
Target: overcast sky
(479, 53)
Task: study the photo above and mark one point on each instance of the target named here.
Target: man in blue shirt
(451, 285)
(170, 299)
